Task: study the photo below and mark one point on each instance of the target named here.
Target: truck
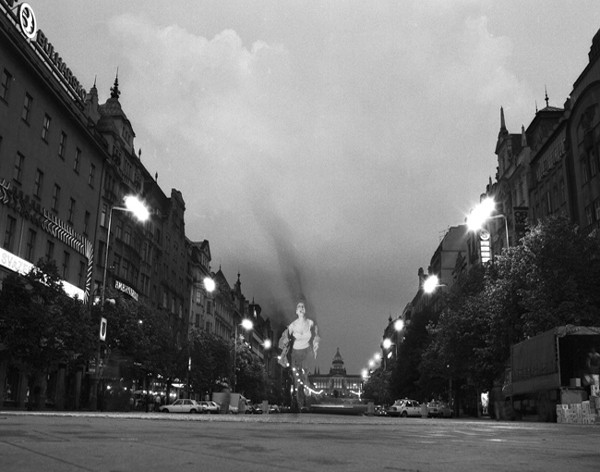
(237, 402)
(547, 370)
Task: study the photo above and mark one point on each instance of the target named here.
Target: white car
(182, 406)
(405, 408)
(210, 407)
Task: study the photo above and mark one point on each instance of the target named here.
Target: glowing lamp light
(481, 213)
(399, 325)
(431, 283)
(247, 324)
(387, 343)
(137, 207)
(209, 284)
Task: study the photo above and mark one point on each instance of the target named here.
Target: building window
(62, 145)
(55, 197)
(46, 128)
(589, 216)
(65, 265)
(37, 183)
(548, 203)
(5, 85)
(77, 160)
(103, 215)
(563, 193)
(126, 269)
(30, 248)
(117, 264)
(597, 209)
(18, 170)
(81, 274)
(584, 172)
(127, 235)
(71, 211)
(27, 104)
(92, 175)
(101, 253)
(9, 233)
(86, 222)
(49, 250)
(119, 229)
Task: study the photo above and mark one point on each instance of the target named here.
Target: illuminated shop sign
(484, 242)
(23, 267)
(126, 289)
(26, 23)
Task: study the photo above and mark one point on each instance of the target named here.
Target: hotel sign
(27, 24)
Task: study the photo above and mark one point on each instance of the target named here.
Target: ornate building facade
(337, 383)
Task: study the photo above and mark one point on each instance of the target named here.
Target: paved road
(116, 442)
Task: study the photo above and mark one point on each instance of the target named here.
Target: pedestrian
(592, 376)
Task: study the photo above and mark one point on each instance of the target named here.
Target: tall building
(50, 159)
(583, 136)
(67, 162)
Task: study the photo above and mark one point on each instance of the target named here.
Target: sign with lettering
(126, 289)
(23, 267)
(27, 21)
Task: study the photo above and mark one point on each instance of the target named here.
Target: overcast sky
(324, 146)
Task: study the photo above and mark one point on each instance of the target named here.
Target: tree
(377, 387)
(210, 361)
(251, 374)
(42, 327)
(549, 279)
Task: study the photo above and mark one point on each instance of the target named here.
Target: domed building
(337, 383)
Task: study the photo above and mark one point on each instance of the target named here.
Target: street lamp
(431, 283)
(140, 211)
(247, 325)
(482, 213)
(132, 205)
(209, 285)
(386, 344)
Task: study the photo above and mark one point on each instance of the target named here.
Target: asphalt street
(117, 442)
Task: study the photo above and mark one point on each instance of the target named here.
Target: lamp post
(398, 326)
(386, 344)
(482, 213)
(247, 325)
(209, 285)
(431, 283)
(140, 211)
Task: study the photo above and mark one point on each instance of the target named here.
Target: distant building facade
(337, 383)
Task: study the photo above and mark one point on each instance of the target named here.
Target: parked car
(274, 409)
(405, 408)
(210, 407)
(182, 406)
(380, 410)
(437, 409)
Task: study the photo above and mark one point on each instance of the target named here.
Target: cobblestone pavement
(115, 442)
